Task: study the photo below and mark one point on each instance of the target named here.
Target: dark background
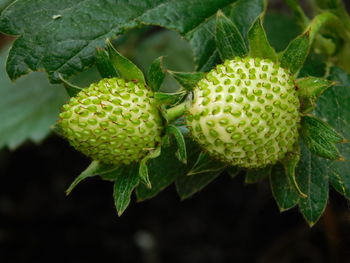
(226, 222)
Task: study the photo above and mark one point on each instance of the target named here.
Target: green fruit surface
(113, 121)
(245, 112)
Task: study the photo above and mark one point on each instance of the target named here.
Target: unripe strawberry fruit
(245, 112)
(113, 121)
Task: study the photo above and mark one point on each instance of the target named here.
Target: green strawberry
(113, 121)
(245, 112)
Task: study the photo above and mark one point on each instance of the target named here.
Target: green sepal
(255, 175)
(95, 168)
(259, 45)
(112, 175)
(181, 152)
(143, 169)
(186, 186)
(290, 163)
(165, 169)
(169, 98)
(294, 56)
(124, 185)
(309, 90)
(204, 164)
(229, 41)
(319, 137)
(282, 189)
(171, 114)
(233, 171)
(104, 64)
(156, 74)
(71, 89)
(127, 70)
(188, 80)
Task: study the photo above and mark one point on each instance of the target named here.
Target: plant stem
(175, 112)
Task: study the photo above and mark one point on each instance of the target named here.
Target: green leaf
(294, 56)
(282, 189)
(255, 175)
(4, 4)
(309, 90)
(169, 98)
(259, 45)
(187, 186)
(127, 70)
(181, 153)
(104, 64)
(320, 138)
(206, 164)
(124, 185)
(143, 169)
(61, 37)
(312, 177)
(166, 168)
(229, 40)
(71, 89)
(95, 168)
(334, 108)
(156, 74)
(28, 108)
(188, 80)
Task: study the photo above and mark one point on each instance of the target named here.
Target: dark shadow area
(226, 222)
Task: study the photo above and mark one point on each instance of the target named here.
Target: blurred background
(226, 222)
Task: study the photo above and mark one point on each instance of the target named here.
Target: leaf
(181, 153)
(124, 185)
(320, 138)
(156, 74)
(255, 175)
(259, 45)
(294, 56)
(229, 40)
(187, 79)
(334, 108)
(206, 164)
(127, 70)
(309, 90)
(169, 98)
(282, 189)
(313, 180)
(187, 186)
(143, 170)
(28, 108)
(104, 64)
(95, 168)
(61, 37)
(71, 89)
(166, 168)
(4, 4)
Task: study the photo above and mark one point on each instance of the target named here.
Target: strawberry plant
(255, 106)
